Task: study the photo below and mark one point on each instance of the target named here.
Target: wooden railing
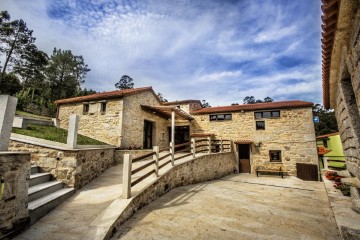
(154, 160)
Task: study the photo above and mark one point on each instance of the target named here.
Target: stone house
(267, 133)
(341, 73)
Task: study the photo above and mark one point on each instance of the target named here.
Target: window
(275, 155)
(260, 125)
(103, 107)
(325, 143)
(85, 108)
(267, 114)
(220, 117)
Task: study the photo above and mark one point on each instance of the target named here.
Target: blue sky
(216, 50)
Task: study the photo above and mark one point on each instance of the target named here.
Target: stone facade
(346, 99)
(75, 168)
(292, 133)
(103, 126)
(15, 171)
(201, 169)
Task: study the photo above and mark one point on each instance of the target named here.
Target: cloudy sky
(216, 50)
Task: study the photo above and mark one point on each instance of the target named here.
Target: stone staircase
(45, 194)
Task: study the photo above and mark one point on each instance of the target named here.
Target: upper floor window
(220, 117)
(85, 108)
(103, 107)
(267, 114)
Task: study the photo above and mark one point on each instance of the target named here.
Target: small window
(103, 107)
(260, 125)
(275, 155)
(275, 114)
(258, 115)
(267, 114)
(85, 108)
(220, 117)
(325, 143)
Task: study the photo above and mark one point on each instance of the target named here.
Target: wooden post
(326, 163)
(231, 145)
(172, 154)
(193, 146)
(126, 192)
(209, 142)
(156, 158)
(221, 145)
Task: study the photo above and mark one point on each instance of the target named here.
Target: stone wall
(201, 169)
(133, 121)
(75, 168)
(347, 97)
(293, 133)
(105, 127)
(15, 170)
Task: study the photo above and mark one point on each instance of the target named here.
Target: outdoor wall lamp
(258, 144)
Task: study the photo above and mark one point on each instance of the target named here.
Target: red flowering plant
(332, 176)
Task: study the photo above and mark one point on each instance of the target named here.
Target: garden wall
(75, 168)
(15, 172)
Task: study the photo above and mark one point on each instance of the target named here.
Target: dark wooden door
(244, 158)
(148, 134)
(307, 172)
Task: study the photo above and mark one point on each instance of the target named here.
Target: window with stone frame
(267, 114)
(275, 155)
(220, 117)
(85, 108)
(103, 107)
(260, 125)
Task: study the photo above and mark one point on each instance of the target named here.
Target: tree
(327, 123)
(125, 82)
(84, 92)
(65, 74)
(233, 104)
(252, 100)
(11, 84)
(161, 97)
(205, 104)
(15, 39)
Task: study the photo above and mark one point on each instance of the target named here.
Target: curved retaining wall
(201, 169)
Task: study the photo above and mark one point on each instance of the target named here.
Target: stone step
(34, 169)
(38, 178)
(40, 190)
(43, 205)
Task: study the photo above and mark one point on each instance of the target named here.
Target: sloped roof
(177, 102)
(327, 135)
(256, 106)
(329, 19)
(165, 111)
(106, 95)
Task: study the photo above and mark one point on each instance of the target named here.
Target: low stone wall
(75, 168)
(201, 169)
(15, 171)
(119, 154)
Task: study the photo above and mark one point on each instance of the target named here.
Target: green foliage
(65, 73)
(125, 82)
(327, 119)
(161, 97)
(252, 100)
(84, 92)
(205, 104)
(15, 39)
(10, 84)
(54, 134)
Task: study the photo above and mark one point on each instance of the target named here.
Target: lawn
(54, 134)
(18, 112)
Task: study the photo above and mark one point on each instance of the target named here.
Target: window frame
(271, 114)
(271, 159)
(215, 117)
(86, 108)
(256, 126)
(103, 107)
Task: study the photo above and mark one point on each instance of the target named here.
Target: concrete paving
(237, 207)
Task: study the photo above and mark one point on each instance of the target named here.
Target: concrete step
(43, 205)
(34, 169)
(38, 178)
(40, 190)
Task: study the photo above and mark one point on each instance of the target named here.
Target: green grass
(54, 134)
(18, 112)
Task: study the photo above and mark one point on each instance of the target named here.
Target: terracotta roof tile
(329, 19)
(105, 95)
(256, 106)
(181, 102)
(327, 135)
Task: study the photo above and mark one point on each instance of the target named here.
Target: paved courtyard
(237, 207)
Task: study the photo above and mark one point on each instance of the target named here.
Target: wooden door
(148, 134)
(244, 158)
